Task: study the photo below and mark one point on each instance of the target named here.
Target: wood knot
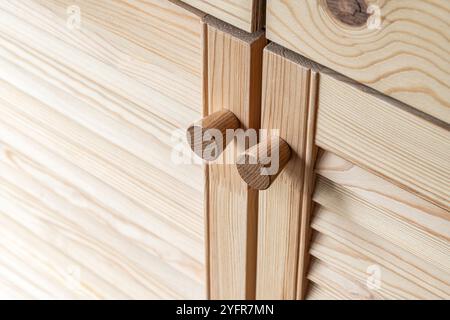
(351, 12)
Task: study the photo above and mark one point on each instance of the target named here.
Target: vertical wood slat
(289, 97)
(234, 83)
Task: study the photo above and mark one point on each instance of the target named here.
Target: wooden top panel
(402, 49)
(244, 14)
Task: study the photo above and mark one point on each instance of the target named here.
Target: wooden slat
(384, 222)
(316, 292)
(407, 57)
(289, 88)
(247, 15)
(91, 204)
(353, 249)
(385, 195)
(339, 284)
(234, 83)
(384, 137)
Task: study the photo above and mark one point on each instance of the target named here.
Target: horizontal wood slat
(247, 15)
(384, 137)
(364, 221)
(337, 283)
(353, 249)
(383, 222)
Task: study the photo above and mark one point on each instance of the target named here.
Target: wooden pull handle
(207, 137)
(261, 164)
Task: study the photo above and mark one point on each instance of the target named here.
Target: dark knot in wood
(351, 12)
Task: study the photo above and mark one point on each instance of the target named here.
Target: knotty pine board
(91, 205)
(407, 58)
(289, 92)
(244, 14)
(234, 83)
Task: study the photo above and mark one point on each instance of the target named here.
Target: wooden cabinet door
(370, 218)
(92, 204)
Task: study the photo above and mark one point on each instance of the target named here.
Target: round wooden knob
(207, 137)
(261, 164)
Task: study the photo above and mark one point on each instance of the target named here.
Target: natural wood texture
(384, 222)
(352, 249)
(364, 220)
(91, 205)
(234, 83)
(385, 195)
(316, 292)
(254, 165)
(407, 57)
(384, 137)
(308, 189)
(247, 15)
(289, 89)
(202, 138)
(351, 12)
(337, 284)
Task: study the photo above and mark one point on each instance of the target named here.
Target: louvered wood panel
(364, 221)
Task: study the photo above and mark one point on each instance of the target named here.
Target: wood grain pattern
(316, 292)
(244, 14)
(287, 89)
(202, 141)
(434, 249)
(385, 138)
(383, 194)
(407, 57)
(384, 225)
(91, 205)
(234, 83)
(337, 284)
(364, 221)
(353, 249)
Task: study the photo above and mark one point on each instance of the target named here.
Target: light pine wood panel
(289, 92)
(384, 222)
(244, 14)
(234, 83)
(316, 292)
(385, 137)
(337, 284)
(353, 249)
(385, 195)
(363, 222)
(397, 229)
(407, 57)
(91, 204)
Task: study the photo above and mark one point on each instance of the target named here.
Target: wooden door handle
(207, 137)
(260, 165)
